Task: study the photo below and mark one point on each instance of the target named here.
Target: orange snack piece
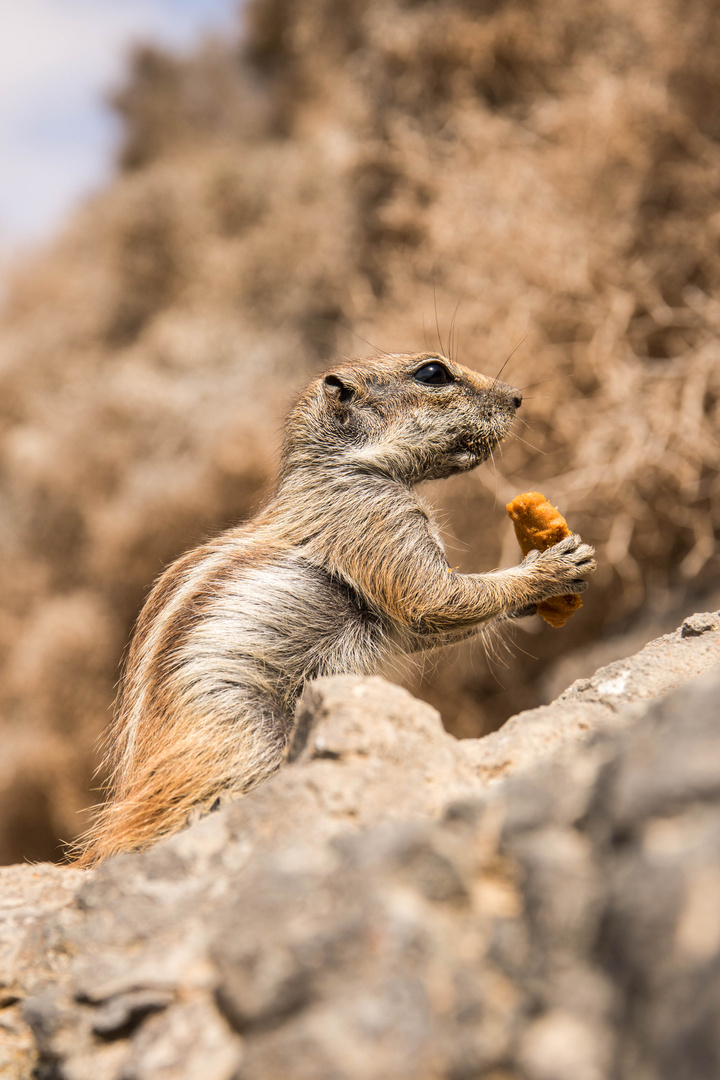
(539, 525)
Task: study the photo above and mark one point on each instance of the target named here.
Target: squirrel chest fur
(340, 570)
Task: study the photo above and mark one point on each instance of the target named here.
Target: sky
(59, 59)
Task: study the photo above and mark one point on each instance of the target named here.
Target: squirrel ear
(336, 389)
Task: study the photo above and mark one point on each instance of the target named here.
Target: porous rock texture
(543, 903)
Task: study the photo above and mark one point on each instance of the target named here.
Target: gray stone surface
(37, 904)
(614, 697)
(543, 903)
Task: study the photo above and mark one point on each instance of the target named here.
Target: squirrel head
(413, 417)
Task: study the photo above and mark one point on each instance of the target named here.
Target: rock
(698, 624)
(614, 696)
(540, 903)
(37, 903)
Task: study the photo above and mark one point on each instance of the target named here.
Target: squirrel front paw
(561, 568)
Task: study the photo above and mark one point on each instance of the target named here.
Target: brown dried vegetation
(551, 167)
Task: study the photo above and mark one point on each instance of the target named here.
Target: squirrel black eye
(433, 373)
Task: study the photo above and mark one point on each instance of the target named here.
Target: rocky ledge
(543, 903)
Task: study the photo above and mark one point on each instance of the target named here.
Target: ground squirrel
(341, 569)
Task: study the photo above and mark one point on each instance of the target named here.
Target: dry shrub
(540, 173)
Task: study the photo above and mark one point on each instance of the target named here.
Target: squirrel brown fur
(342, 569)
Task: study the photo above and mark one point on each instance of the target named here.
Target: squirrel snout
(506, 395)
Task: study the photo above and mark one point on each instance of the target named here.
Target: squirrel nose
(517, 398)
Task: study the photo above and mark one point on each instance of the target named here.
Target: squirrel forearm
(409, 579)
(412, 583)
(463, 601)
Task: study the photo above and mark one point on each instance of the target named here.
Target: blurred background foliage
(493, 175)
